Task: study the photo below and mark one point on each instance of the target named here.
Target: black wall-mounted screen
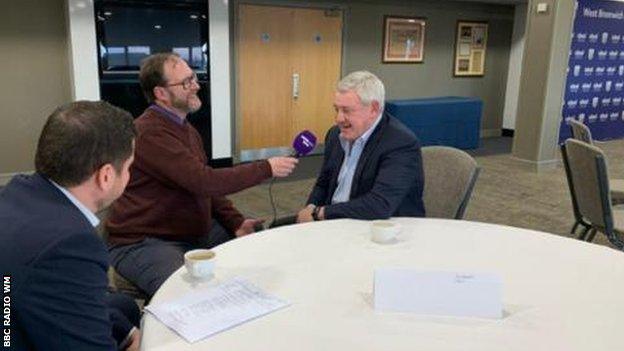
(129, 31)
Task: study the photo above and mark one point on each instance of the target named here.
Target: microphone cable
(303, 144)
(272, 202)
(273, 207)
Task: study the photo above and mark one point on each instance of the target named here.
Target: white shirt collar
(91, 217)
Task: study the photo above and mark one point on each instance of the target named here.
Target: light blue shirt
(91, 217)
(353, 151)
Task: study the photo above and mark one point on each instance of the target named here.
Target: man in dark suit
(372, 167)
(55, 263)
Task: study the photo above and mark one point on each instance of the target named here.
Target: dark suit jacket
(58, 266)
(388, 180)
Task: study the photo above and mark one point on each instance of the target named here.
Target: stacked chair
(587, 174)
(582, 133)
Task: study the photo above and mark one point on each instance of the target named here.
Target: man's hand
(248, 227)
(282, 166)
(305, 215)
(135, 338)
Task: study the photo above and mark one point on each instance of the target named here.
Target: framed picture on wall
(404, 39)
(470, 48)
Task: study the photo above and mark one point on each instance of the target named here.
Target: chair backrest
(450, 176)
(580, 131)
(566, 166)
(590, 183)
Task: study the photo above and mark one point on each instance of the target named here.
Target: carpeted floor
(506, 192)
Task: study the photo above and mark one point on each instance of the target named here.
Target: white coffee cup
(383, 231)
(199, 263)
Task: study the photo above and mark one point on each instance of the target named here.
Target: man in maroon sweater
(173, 196)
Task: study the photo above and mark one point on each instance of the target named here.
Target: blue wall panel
(595, 80)
(450, 121)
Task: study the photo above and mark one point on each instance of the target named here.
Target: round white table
(558, 293)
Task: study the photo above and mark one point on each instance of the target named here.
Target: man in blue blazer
(55, 263)
(372, 167)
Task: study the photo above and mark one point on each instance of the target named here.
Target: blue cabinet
(450, 121)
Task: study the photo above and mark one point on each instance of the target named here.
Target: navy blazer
(57, 266)
(388, 179)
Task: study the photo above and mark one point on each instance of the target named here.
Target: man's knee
(149, 264)
(218, 235)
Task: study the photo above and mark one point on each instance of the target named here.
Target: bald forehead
(171, 64)
(174, 61)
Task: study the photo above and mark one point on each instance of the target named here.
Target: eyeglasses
(187, 83)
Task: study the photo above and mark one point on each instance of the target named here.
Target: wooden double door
(289, 61)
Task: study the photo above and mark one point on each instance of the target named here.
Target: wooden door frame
(234, 50)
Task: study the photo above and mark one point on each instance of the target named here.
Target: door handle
(295, 86)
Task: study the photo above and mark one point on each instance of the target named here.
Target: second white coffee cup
(199, 263)
(384, 231)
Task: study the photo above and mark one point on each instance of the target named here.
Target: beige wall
(531, 101)
(542, 83)
(515, 67)
(34, 77)
(362, 49)
(434, 77)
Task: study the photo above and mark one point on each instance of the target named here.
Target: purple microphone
(304, 143)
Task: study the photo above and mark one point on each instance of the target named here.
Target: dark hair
(80, 137)
(153, 73)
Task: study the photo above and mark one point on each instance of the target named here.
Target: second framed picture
(404, 40)
(470, 48)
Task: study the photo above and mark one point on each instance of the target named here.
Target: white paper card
(204, 313)
(438, 293)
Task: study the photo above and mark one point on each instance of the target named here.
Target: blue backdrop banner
(595, 80)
